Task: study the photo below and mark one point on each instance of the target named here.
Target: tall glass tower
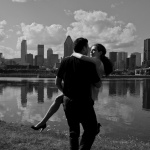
(146, 58)
(23, 51)
(68, 46)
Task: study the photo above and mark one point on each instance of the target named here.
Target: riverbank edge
(54, 76)
(21, 137)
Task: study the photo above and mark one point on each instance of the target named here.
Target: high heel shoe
(41, 128)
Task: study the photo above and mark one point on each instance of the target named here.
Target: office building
(41, 54)
(29, 59)
(39, 60)
(121, 60)
(146, 58)
(41, 50)
(132, 62)
(23, 51)
(49, 52)
(68, 46)
(113, 58)
(52, 60)
(138, 59)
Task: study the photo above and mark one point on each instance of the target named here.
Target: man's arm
(59, 84)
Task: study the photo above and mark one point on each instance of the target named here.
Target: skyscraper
(23, 51)
(41, 50)
(53, 59)
(138, 59)
(29, 59)
(41, 54)
(113, 58)
(121, 60)
(68, 46)
(49, 52)
(132, 61)
(146, 59)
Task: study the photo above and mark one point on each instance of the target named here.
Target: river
(122, 105)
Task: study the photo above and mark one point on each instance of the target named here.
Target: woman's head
(98, 50)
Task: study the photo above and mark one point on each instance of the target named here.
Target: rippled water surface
(122, 106)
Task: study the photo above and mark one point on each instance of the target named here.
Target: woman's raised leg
(52, 109)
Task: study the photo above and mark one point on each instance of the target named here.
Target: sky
(120, 25)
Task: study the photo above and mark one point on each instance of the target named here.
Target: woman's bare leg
(52, 109)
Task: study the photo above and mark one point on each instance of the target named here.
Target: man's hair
(79, 44)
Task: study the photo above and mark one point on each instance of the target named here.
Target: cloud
(2, 23)
(98, 27)
(2, 33)
(116, 4)
(18, 32)
(35, 34)
(10, 30)
(68, 12)
(22, 1)
(9, 52)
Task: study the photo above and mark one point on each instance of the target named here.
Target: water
(122, 106)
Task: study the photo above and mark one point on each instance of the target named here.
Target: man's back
(78, 76)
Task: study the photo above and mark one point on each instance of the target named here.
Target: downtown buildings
(39, 60)
(122, 62)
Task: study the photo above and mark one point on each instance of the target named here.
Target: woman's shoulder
(96, 60)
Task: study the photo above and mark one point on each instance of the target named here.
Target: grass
(15, 136)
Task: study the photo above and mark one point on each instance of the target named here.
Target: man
(74, 79)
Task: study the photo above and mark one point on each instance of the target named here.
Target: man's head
(81, 46)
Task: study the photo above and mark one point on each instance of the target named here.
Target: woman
(103, 67)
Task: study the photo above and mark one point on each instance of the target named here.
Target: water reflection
(51, 89)
(121, 105)
(122, 87)
(146, 95)
(24, 96)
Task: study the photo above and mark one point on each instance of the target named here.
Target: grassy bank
(21, 137)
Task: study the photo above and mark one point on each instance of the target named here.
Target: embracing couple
(77, 77)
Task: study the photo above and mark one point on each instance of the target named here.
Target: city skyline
(118, 24)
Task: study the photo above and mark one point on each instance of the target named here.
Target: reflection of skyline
(39, 88)
(23, 96)
(112, 87)
(27, 87)
(121, 87)
(146, 94)
(1, 90)
(51, 91)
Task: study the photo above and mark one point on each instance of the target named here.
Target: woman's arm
(97, 62)
(83, 57)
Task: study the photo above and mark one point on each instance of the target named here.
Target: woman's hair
(108, 66)
(79, 44)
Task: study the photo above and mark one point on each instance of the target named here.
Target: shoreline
(22, 137)
(54, 76)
